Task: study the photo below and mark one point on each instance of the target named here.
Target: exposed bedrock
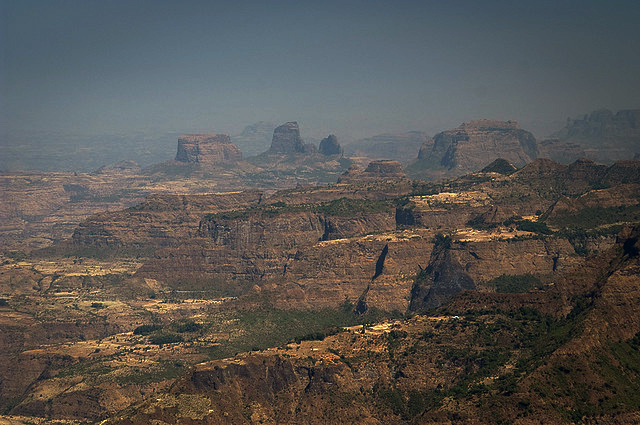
(161, 220)
(475, 144)
(287, 140)
(211, 149)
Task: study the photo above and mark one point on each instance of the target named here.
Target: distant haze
(351, 68)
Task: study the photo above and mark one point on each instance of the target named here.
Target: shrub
(317, 336)
(441, 240)
(146, 329)
(515, 283)
(394, 399)
(167, 338)
(534, 227)
(478, 223)
(189, 326)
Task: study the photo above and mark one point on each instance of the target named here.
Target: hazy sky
(353, 68)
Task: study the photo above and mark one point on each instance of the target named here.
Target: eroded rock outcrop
(160, 220)
(210, 149)
(443, 278)
(500, 166)
(330, 146)
(475, 144)
(287, 140)
(276, 227)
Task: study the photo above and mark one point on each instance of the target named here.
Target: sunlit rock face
(475, 144)
(209, 149)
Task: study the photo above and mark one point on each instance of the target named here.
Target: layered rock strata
(475, 144)
(161, 220)
(210, 149)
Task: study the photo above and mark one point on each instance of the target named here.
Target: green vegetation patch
(165, 370)
(538, 227)
(347, 207)
(269, 327)
(165, 338)
(515, 283)
(146, 329)
(188, 326)
(479, 223)
(338, 207)
(578, 237)
(442, 241)
(590, 218)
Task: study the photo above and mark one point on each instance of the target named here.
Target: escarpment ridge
(273, 242)
(379, 298)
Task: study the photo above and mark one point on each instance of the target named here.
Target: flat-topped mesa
(385, 168)
(210, 149)
(475, 144)
(287, 140)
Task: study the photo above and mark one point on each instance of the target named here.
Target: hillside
(460, 298)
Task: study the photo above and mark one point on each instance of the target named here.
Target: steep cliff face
(161, 220)
(476, 143)
(443, 278)
(603, 135)
(280, 249)
(258, 230)
(458, 266)
(353, 247)
(577, 177)
(291, 230)
(503, 350)
(330, 272)
(209, 149)
(269, 387)
(622, 172)
(287, 140)
(38, 209)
